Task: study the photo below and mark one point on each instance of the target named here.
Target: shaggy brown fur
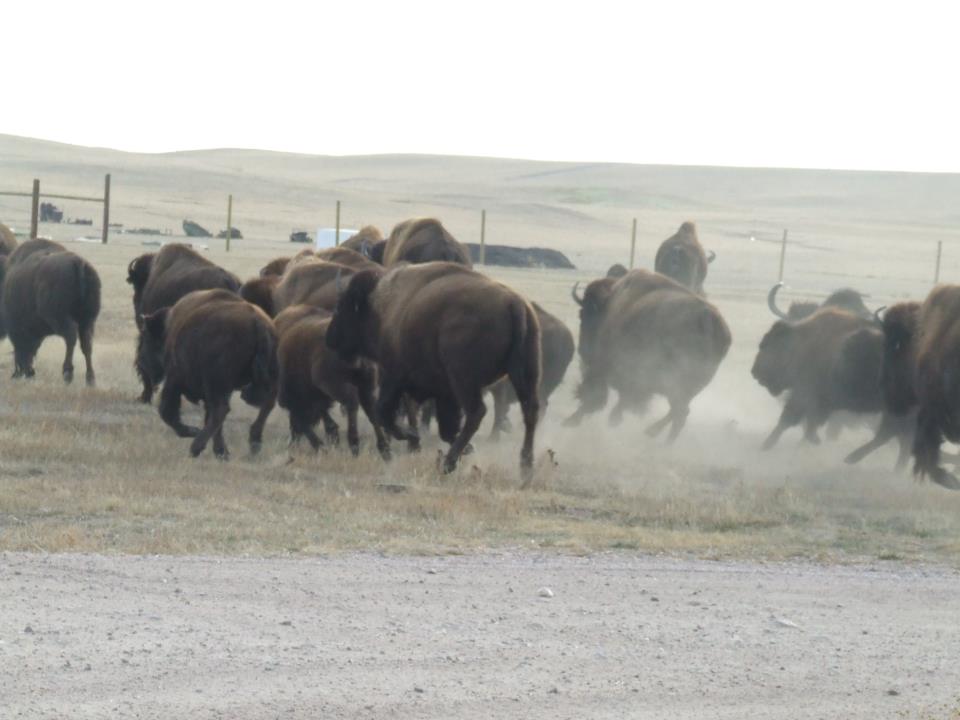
(682, 258)
(313, 378)
(8, 241)
(47, 290)
(439, 330)
(422, 240)
(646, 335)
(369, 242)
(214, 343)
(557, 350)
(160, 280)
(921, 367)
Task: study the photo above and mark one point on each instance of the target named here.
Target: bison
(47, 290)
(843, 299)
(557, 350)
(422, 240)
(921, 346)
(160, 280)
(368, 241)
(313, 378)
(681, 257)
(343, 255)
(645, 334)
(311, 283)
(213, 342)
(441, 331)
(8, 241)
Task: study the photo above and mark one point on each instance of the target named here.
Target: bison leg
(501, 406)
(68, 331)
(86, 347)
(256, 429)
(353, 435)
(886, 431)
(474, 411)
(592, 394)
(23, 353)
(793, 413)
(216, 413)
(330, 428)
(170, 411)
(530, 407)
(388, 403)
(426, 415)
(677, 415)
(926, 451)
(365, 397)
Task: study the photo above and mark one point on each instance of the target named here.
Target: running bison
(314, 377)
(343, 255)
(47, 290)
(422, 240)
(8, 241)
(557, 350)
(644, 335)
(682, 258)
(920, 370)
(213, 342)
(159, 280)
(313, 283)
(442, 331)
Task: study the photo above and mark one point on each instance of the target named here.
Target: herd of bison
(404, 329)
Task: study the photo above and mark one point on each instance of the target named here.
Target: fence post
(35, 211)
(483, 237)
(106, 208)
(336, 237)
(783, 254)
(936, 274)
(229, 220)
(633, 243)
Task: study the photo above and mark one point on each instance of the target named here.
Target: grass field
(92, 470)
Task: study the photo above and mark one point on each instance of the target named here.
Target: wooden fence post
(106, 208)
(35, 211)
(483, 237)
(783, 255)
(936, 274)
(336, 237)
(229, 220)
(633, 243)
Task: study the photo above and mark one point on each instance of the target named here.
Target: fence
(35, 195)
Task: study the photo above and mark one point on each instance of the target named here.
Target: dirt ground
(363, 636)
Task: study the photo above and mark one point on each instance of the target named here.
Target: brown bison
(368, 241)
(213, 342)
(422, 240)
(557, 350)
(682, 258)
(8, 241)
(617, 271)
(313, 378)
(47, 290)
(159, 280)
(345, 256)
(643, 335)
(442, 331)
(920, 370)
(312, 283)
(829, 361)
(843, 299)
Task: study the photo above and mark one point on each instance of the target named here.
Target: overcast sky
(870, 85)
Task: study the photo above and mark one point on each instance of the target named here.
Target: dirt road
(474, 637)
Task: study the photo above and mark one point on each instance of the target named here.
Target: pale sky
(867, 85)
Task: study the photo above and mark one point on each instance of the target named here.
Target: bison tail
(265, 370)
(524, 362)
(88, 291)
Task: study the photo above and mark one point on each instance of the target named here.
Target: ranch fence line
(35, 195)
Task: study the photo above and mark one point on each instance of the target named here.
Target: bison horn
(711, 256)
(573, 292)
(772, 302)
(876, 314)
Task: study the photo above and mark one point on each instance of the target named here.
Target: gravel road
(505, 635)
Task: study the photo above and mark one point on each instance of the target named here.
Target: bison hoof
(468, 449)
(68, 376)
(945, 479)
(355, 449)
(449, 465)
(255, 446)
(413, 445)
(91, 381)
(385, 453)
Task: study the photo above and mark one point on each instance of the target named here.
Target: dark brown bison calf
(313, 377)
(213, 343)
(441, 331)
(47, 290)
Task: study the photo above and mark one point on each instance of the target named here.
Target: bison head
(678, 265)
(593, 309)
(899, 331)
(153, 331)
(351, 323)
(259, 292)
(772, 367)
(616, 271)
